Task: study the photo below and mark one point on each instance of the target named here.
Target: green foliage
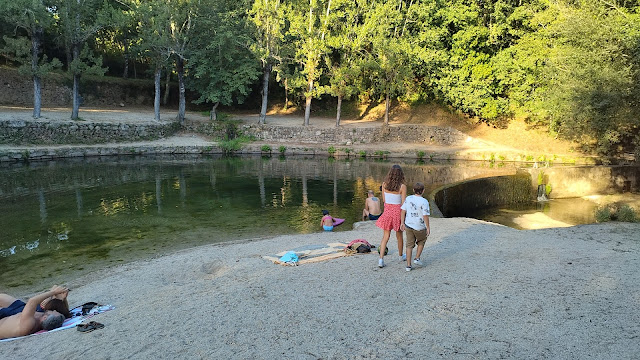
(221, 66)
(266, 148)
(627, 214)
(616, 213)
(282, 149)
(233, 145)
(362, 153)
(331, 150)
(347, 151)
(569, 66)
(420, 154)
(540, 177)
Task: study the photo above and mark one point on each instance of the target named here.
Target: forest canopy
(569, 66)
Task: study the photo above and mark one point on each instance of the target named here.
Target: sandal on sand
(90, 326)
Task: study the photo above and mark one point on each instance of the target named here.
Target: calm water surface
(62, 219)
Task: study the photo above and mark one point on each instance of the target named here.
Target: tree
(181, 25)
(32, 17)
(268, 16)
(81, 20)
(155, 41)
(388, 62)
(221, 66)
(309, 23)
(345, 49)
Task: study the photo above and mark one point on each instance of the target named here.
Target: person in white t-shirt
(415, 222)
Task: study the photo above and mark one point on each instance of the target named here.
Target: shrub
(347, 151)
(420, 154)
(282, 149)
(362, 153)
(627, 214)
(331, 150)
(266, 148)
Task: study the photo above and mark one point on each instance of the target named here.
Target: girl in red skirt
(393, 194)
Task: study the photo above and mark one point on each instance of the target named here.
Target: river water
(63, 219)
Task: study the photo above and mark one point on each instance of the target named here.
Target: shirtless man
(19, 319)
(371, 207)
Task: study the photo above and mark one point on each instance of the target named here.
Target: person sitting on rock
(371, 207)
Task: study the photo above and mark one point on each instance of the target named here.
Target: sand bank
(486, 291)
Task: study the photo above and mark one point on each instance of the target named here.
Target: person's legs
(383, 245)
(421, 239)
(411, 239)
(6, 300)
(400, 242)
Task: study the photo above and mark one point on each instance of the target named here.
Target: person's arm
(27, 320)
(366, 207)
(403, 214)
(426, 222)
(383, 188)
(403, 192)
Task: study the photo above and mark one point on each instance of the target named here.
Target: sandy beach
(486, 291)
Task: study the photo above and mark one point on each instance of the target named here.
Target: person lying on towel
(18, 318)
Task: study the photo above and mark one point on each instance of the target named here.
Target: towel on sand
(312, 253)
(76, 318)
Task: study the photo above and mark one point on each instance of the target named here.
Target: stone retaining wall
(78, 132)
(463, 198)
(419, 134)
(347, 136)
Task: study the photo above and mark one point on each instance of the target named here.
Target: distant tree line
(569, 65)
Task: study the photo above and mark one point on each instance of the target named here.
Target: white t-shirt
(416, 207)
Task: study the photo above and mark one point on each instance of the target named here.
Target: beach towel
(76, 318)
(311, 253)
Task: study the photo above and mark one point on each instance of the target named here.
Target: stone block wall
(76, 132)
(398, 133)
(462, 198)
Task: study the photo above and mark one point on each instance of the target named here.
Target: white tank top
(392, 199)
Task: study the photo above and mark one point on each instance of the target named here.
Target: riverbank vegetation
(568, 67)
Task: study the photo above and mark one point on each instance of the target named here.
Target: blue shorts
(374, 217)
(327, 227)
(15, 308)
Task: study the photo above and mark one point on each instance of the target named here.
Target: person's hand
(56, 289)
(402, 227)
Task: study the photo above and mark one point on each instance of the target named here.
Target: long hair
(59, 306)
(394, 179)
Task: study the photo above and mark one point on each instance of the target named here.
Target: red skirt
(390, 218)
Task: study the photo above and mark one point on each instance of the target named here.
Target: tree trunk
(386, 110)
(338, 111)
(307, 107)
(286, 93)
(37, 88)
(213, 115)
(165, 98)
(125, 72)
(76, 85)
(265, 93)
(181, 103)
(156, 99)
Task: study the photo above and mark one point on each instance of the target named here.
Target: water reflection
(63, 217)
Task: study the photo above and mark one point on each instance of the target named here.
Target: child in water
(327, 221)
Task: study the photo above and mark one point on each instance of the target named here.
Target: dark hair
(59, 306)
(53, 321)
(418, 188)
(394, 178)
(325, 212)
